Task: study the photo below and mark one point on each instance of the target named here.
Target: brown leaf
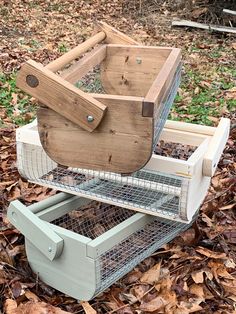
(197, 290)
(154, 305)
(87, 308)
(10, 306)
(198, 276)
(210, 253)
(31, 296)
(152, 275)
(34, 308)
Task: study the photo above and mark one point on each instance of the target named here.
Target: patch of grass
(62, 48)
(203, 97)
(17, 104)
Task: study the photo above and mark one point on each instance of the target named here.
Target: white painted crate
(166, 187)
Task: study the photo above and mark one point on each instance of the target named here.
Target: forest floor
(195, 273)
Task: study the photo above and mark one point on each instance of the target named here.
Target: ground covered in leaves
(196, 272)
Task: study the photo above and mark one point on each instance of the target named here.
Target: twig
(231, 12)
(218, 195)
(210, 27)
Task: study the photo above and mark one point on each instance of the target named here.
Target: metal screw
(90, 118)
(32, 81)
(49, 249)
(139, 60)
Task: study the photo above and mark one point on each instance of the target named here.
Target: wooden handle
(76, 52)
(216, 147)
(113, 36)
(60, 95)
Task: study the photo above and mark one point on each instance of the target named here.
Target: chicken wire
(95, 219)
(123, 257)
(159, 193)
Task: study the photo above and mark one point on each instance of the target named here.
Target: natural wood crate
(116, 131)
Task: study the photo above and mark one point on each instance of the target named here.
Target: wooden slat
(76, 52)
(83, 66)
(164, 77)
(122, 142)
(190, 127)
(61, 96)
(113, 36)
(216, 147)
(130, 70)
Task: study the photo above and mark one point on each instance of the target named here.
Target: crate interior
(124, 70)
(96, 218)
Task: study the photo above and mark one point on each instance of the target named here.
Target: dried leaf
(87, 308)
(210, 253)
(152, 275)
(10, 306)
(154, 305)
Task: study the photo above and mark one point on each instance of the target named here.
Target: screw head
(32, 80)
(138, 60)
(49, 249)
(90, 118)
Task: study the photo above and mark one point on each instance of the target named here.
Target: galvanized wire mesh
(123, 257)
(156, 192)
(94, 219)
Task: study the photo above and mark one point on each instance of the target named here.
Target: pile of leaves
(195, 273)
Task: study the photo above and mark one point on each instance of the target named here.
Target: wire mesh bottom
(93, 220)
(159, 193)
(96, 218)
(123, 257)
(147, 190)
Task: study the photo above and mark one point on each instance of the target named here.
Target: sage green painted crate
(80, 257)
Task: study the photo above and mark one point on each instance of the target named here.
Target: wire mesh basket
(101, 242)
(167, 187)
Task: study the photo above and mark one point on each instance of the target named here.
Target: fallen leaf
(87, 308)
(152, 275)
(154, 305)
(10, 306)
(210, 253)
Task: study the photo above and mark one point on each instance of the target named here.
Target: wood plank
(190, 127)
(186, 138)
(61, 96)
(122, 142)
(84, 65)
(130, 70)
(113, 36)
(216, 147)
(231, 12)
(76, 52)
(210, 27)
(164, 78)
(198, 185)
(125, 83)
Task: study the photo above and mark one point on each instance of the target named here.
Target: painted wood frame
(197, 178)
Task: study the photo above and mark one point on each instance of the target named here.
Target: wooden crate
(165, 187)
(82, 259)
(116, 131)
